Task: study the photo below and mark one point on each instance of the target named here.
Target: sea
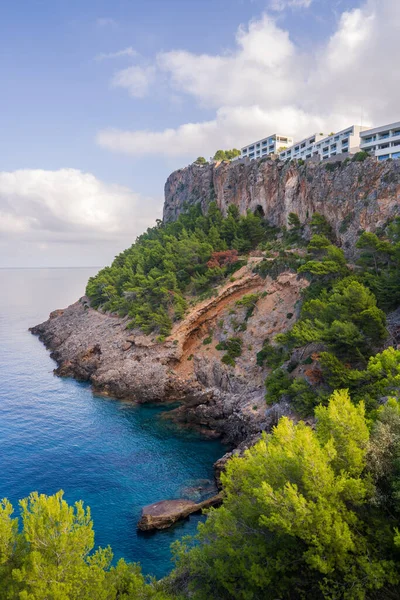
(55, 434)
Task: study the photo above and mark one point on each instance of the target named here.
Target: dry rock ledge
(162, 515)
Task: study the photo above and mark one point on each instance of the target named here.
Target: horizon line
(71, 267)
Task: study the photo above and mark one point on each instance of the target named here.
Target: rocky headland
(215, 398)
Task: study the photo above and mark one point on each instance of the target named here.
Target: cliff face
(352, 196)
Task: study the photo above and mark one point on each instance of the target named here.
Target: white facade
(343, 142)
(266, 146)
(383, 142)
(303, 149)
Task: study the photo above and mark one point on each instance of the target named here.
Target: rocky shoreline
(214, 399)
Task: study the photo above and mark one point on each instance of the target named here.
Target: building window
(396, 155)
(383, 157)
(251, 148)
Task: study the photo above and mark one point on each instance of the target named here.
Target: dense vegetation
(307, 514)
(226, 154)
(152, 280)
(51, 558)
(309, 511)
(342, 325)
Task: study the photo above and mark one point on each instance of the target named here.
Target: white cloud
(232, 126)
(137, 80)
(280, 5)
(267, 84)
(68, 206)
(264, 68)
(130, 52)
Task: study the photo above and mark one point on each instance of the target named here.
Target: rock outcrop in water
(162, 515)
(353, 196)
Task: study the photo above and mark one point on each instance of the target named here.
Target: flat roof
(267, 138)
(377, 129)
(304, 140)
(338, 133)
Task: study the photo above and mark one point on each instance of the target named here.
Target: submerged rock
(162, 515)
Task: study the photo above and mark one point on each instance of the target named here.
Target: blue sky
(101, 100)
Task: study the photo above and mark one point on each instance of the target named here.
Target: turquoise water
(55, 434)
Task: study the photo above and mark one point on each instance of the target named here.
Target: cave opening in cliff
(259, 211)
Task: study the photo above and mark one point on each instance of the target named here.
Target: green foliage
(200, 160)
(332, 166)
(380, 378)
(298, 519)
(271, 356)
(360, 156)
(293, 221)
(346, 319)
(226, 154)
(52, 557)
(320, 225)
(380, 261)
(303, 397)
(233, 348)
(150, 281)
(346, 222)
(249, 301)
(273, 267)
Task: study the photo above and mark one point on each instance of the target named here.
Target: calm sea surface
(55, 434)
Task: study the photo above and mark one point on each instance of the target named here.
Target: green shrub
(271, 356)
(360, 156)
(233, 349)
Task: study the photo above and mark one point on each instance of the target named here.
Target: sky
(101, 100)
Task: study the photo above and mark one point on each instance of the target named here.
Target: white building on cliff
(383, 142)
(266, 146)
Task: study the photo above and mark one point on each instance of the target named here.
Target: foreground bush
(299, 518)
(51, 557)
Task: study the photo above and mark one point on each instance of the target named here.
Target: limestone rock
(162, 515)
(354, 196)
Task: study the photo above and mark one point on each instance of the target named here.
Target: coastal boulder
(162, 515)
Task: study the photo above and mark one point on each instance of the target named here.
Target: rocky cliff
(353, 196)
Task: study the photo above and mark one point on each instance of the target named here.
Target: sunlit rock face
(353, 196)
